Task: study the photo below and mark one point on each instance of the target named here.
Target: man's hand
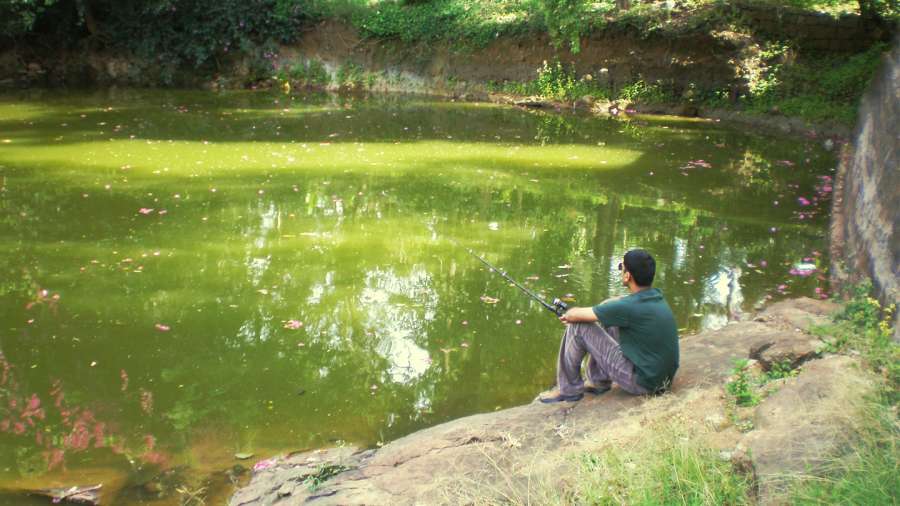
(578, 314)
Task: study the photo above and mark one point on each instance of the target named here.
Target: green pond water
(185, 276)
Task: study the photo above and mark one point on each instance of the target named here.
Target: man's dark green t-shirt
(648, 335)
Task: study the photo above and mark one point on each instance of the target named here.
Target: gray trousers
(606, 363)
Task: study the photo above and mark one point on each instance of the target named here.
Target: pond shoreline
(766, 124)
(490, 456)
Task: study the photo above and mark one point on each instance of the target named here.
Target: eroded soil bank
(507, 454)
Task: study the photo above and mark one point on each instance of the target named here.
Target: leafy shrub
(350, 75)
(640, 91)
(821, 88)
(305, 73)
(466, 24)
(566, 21)
(554, 82)
(866, 327)
(742, 386)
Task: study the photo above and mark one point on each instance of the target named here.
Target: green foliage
(742, 386)
(821, 88)
(864, 326)
(566, 21)
(886, 9)
(640, 91)
(18, 16)
(351, 76)
(168, 34)
(323, 473)
(781, 370)
(554, 82)
(667, 466)
(465, 24)
(305, 73)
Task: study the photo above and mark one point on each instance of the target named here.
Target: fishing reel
(561, 307)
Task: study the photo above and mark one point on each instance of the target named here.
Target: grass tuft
(669, 466)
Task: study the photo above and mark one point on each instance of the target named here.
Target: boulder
(802, 313)
(804, 424)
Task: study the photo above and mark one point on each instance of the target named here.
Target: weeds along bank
(804, 59)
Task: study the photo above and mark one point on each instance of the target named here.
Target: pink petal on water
(293, 324)
(162, 328)
(145, 210)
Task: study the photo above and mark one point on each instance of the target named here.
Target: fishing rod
(557, 307)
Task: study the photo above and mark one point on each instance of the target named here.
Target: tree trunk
(84, 6)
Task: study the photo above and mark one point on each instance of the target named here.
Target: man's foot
(555, 396)
(597, 390)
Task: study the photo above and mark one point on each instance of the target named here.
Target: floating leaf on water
(243, 456)
(489, 300)
(263, 291)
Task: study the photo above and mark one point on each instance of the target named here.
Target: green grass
(668, 466)
(868, 474)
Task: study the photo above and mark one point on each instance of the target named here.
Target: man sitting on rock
(631, 340)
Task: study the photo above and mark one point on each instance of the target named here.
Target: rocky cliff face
(864, 237)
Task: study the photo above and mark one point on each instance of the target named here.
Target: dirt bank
(506, 453)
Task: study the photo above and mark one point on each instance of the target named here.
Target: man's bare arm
(578, 314)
